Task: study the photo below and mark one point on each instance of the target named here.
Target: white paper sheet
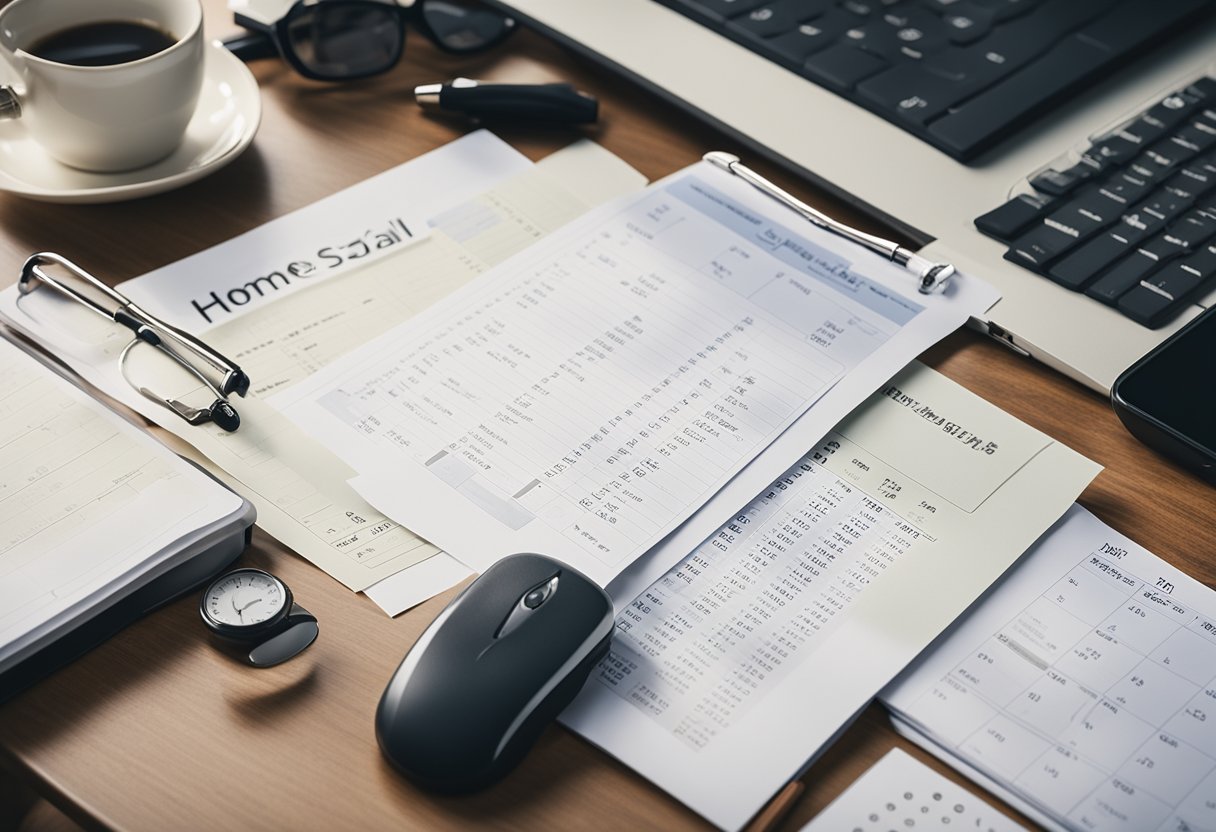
(1085, 683)
(775, 631)
(420, 582)
(87, 502)
(375, 218)
(590, 394)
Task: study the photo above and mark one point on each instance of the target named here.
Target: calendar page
(1085, 684)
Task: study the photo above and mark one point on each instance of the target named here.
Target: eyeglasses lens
(463, 26)
(345, 40)
(156, 375)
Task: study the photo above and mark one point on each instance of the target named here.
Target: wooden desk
(157, 730)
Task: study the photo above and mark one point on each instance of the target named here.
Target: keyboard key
(1151, 167)
(860, 8)
(1193, 230)
(1125, 274)
(1002, 10)
(1019, 41)
(1170, 111)
(1041, 244)
(1173, 286)
(915, 92)
(842, 66)
(1169, 153)
(1160, 297)
(720, 9)
(1078, 269)
(1115, 149)
(1200, 174)
(899, 37)
(1195, 137)
(1087, 213)
(775, 18)
(1163, 247)
(1125, 189)
(1140, 222)
(1135, 22)
(1060, 182)
(1164, 206)
(1148, 306)
(1204, 87)
(1201, 262)
(808, 38)
(1147, 259)
(967, 22)
(1010, 219)
(1183, 185)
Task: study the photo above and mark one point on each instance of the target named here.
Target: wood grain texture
(157, 729)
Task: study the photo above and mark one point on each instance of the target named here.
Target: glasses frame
(270, 40)
(180, 346)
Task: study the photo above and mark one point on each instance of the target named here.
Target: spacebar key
(991, 115)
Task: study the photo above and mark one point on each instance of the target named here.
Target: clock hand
(250, 604)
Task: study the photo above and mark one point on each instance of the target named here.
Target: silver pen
(932, 277)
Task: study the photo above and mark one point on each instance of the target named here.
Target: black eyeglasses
(341, 40)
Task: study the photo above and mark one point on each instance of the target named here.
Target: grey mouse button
(528, 604)
(538, 595)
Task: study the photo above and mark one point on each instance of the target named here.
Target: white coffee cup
(102, 118)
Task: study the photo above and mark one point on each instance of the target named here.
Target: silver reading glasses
(195, 380)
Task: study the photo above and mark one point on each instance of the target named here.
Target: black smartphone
(1167, 399)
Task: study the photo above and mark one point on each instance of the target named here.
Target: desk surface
(156, 729)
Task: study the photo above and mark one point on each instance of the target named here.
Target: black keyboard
(1131, 220)
(960, 74)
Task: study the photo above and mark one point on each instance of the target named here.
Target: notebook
(98, 522)
(849, 115)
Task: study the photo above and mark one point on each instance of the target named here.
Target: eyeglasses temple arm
(146, 326)
(251, 46)
(32, 275)
(235, 380)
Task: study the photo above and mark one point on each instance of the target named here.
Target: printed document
(479, 202)
(1082, 688)
(88, 503)
(586, 397)
(782, 625)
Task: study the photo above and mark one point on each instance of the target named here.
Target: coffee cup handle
(10, 103)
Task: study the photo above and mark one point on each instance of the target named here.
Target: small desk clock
(253, 607)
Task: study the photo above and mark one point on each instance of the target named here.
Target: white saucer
(229, 110)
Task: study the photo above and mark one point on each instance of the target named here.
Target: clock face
(244, 598)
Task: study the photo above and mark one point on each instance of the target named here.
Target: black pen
(551, 103)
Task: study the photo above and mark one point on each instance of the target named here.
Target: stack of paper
(776, 630)
(89, 506)
(666, 355)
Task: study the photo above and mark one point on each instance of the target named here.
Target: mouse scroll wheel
(540, 594)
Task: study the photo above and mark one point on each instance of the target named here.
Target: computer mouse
(494, 668)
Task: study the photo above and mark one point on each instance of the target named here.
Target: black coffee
(103, 44)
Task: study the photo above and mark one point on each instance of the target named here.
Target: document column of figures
(705, 642)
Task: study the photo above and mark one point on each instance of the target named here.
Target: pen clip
(932, 277)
